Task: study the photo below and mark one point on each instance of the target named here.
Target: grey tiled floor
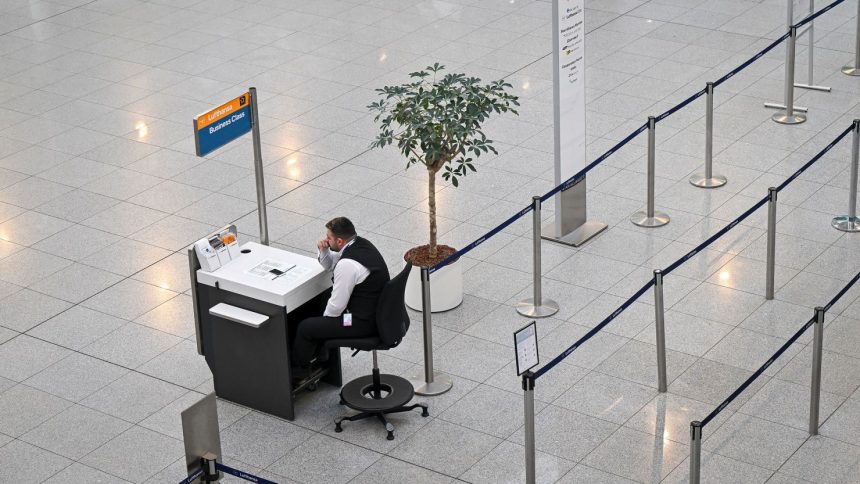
(100, 193)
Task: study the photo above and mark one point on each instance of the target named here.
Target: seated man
(360, 274)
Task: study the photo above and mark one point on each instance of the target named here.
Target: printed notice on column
(570, 85)
(525, 341)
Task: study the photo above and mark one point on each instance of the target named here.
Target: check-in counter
(247, 310)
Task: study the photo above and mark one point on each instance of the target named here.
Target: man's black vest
(362, 302)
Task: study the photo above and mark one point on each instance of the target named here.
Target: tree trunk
(431, 196)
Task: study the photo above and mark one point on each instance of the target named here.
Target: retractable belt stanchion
(433, 384)
(850, 222)
(854, 70)
(708, 179)
(815, 387)
(695, 452)
(790, 116)
(537, 306)
(661, 330)
(529, 414)
(650, 218)
(771, 243)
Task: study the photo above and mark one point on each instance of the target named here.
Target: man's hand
(322, 245)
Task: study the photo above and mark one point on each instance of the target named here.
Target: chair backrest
(392, 320)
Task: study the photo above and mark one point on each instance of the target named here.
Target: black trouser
(313, 331)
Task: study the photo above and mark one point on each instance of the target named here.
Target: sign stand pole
(571, 225)
(258, 168)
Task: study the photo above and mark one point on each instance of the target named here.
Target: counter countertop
(290, 290)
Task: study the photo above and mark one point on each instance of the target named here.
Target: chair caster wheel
(425, 413)
(338, 428)
(390, 435)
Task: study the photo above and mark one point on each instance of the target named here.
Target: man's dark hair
(341, 227)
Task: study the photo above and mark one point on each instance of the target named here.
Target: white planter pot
(446, 288)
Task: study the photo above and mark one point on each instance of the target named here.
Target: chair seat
(356, 394)
(364, 344)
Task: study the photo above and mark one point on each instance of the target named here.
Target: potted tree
(435, 121)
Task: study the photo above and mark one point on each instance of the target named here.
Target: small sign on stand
(201, 433)
(526, 345)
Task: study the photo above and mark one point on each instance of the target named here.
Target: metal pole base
(783, 118)
(846, 223)
(527, 308)
(643, 220)
(701, 181)
(581, 235)
(799, 109)
(438, 386)
(813, 87)
(851, 70)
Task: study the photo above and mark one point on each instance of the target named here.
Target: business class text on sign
(214, 129)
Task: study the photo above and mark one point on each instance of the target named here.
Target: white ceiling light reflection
(142, 129)
(294, 169)
(383, 57)
(725, 276)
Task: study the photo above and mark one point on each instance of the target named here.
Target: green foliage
(436, 119)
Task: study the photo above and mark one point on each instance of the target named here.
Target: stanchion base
(527, 308)
(797, 109)
(581, 235)
(846, 223)
(438, 386)
(701, 181)
(783, 118)
(643, 220)
(851, 70)
(814, 87)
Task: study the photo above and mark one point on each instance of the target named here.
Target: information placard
(217, 127)
(569, 56)
(526, 345)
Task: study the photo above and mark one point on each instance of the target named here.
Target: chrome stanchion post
(854, 70)
(771, 243)
(209, 464)
(695, 452)
(661, 330)
(529, 414)
(850, 222)
(708, 179)
(258, 168)
(434, 383)
(815, 387)
(789, 116)
(650, 218)
(537, 306)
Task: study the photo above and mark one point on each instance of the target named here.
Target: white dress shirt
(347, 274)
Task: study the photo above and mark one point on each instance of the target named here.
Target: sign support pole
(571, 225)
(258, 168)
(529, 420)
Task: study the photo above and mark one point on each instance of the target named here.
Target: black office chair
(378, 394)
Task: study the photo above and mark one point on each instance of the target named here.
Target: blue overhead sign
(214, 129)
